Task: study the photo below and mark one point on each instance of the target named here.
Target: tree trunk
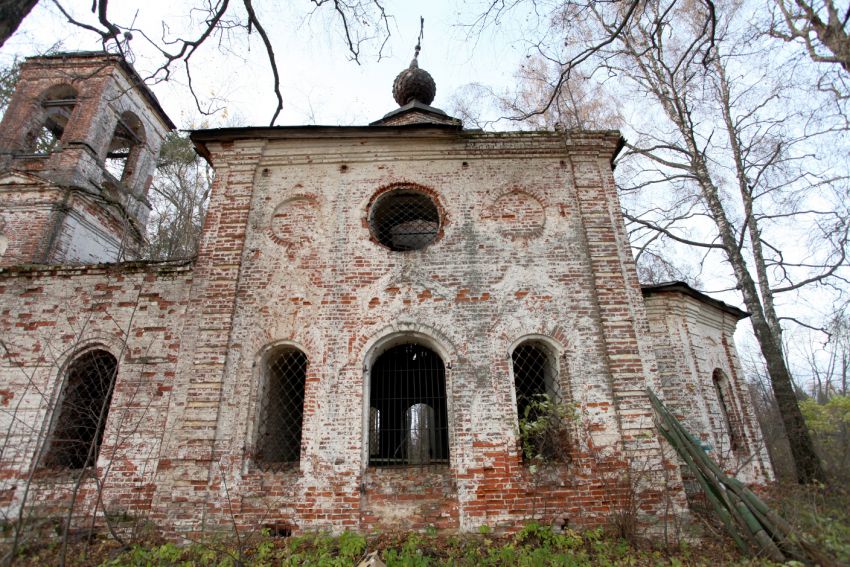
(12, 13)
(806, 462)
(765, 321)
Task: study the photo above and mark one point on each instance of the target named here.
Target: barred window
(282, 408)
(408, 415)
(539, 402)
(78, 428)
(404, 219)
(730, 420)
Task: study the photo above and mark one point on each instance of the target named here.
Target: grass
(534, 545)
(822, 514)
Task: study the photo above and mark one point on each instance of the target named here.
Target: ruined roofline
(315, 130)
(407, 131)
(682, 287)
(133, 76)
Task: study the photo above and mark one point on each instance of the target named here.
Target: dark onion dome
(414, 84)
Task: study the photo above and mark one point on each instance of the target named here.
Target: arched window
(282, 408)
(84, 405)
(123, 150)
(538, 399)
(723, 391)
(56, 107)
(408, 414)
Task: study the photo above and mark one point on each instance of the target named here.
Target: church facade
(399, 325)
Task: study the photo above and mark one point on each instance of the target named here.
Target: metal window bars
(282, 409)
(78, 429)
(408, 415)
(539, 404)
(404, 219)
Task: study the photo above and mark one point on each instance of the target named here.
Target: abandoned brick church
(375, 318)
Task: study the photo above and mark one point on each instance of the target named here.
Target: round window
(404, 219)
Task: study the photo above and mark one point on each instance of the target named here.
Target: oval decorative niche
(517, 215)
(295, 221)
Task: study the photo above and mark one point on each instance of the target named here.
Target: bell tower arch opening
(127, 141)
(51, 119)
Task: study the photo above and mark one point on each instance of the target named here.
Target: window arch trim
(405, 187)
(556, 348)
(554, 351)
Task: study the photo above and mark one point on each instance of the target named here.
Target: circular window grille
(405, 219)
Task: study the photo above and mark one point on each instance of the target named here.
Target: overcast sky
(319, 81)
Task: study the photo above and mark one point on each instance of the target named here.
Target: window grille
(721, 386)
(408, 415)
(78, 429)
(539, 403)
(405, 219)
(282, 409)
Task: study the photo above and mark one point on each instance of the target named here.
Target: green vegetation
(543, 430)
(829, 424)
(820, 512)
(533, 545)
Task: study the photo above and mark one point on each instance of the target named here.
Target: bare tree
(178, 197)
(578, 101)
(820, 25)
(470, 103)
(827, 363)
(555, 16)
(361, 23)
(12, 13)
(746, 170)
(816, 31)
(770, 420)
(8, 80)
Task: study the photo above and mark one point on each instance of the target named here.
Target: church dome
(414, 84)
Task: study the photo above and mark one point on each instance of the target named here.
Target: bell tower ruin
(78, 147)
